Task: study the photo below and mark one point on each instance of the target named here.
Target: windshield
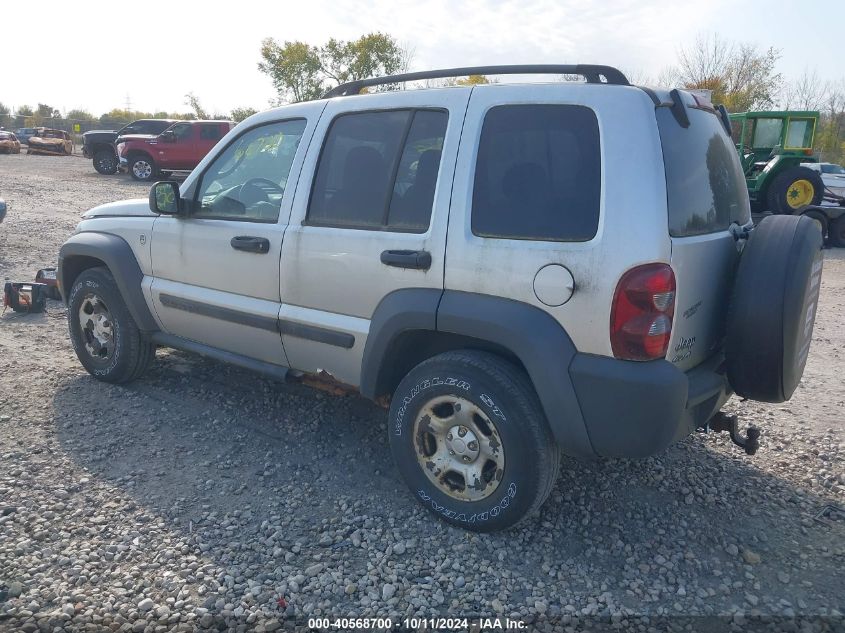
(767, 132)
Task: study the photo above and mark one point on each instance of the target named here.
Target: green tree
(44, 115)
(192, 100)
(80, 115)
(740, 76)
(5, 116)
(117, 118)
(294, 68)
(23, 117)
(471, 80)
(239, 114)
(368, 56)
(301, 72)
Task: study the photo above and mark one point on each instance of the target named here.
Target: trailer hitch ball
(749, 442)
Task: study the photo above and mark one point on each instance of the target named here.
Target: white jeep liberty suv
(522, 270)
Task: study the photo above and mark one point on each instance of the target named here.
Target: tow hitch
(723, 422)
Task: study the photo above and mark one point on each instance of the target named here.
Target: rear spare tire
(793, 189)
(773, 308)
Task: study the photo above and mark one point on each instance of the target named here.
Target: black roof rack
(594, 74)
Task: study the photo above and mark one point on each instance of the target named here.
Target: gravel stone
(205, 497)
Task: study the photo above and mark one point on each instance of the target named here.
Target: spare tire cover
(773, 308)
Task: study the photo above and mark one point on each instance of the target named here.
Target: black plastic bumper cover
(636, 409)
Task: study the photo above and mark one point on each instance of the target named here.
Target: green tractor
(772, 146)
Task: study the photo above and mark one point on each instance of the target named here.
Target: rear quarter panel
(632, 227)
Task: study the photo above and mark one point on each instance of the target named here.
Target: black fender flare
(398, 312)
(77, 253)
(533, 336)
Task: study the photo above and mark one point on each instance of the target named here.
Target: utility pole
(128, 103)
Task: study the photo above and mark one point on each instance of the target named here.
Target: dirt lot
(204, 496)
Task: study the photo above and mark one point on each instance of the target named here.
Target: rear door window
(538, 174)
(378, 171)
(211, 132)
(705, 186)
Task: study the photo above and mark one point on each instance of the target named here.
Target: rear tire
(836, 232)
(501, 469)
(142, 167)
(105, 337)
(794, 188)
(105, 162)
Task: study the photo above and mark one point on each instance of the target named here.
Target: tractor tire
(105, 162)
(820, 219)
(793, 189)
(836, 232)
(773, 308)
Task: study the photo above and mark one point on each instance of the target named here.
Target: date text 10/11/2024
(416, 624)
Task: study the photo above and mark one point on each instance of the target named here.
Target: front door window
(247, 180)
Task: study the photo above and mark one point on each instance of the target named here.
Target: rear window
(705, 186)
(538, 174)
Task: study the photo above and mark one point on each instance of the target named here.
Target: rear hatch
(706, 193)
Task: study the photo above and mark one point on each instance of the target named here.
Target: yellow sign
(77, 127)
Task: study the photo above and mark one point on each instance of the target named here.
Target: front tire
(105, 337)
(142, 167)
(470, 439)
(105, 162)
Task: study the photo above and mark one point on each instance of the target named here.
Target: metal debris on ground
(829, 515)
(25, 297)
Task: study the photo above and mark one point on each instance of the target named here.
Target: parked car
(9, 143)
(99, 145)
(489, 260)
(50, 142)
(24, 133)
(833, 176)
(179, 148)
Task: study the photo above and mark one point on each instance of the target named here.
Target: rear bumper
(634, 409)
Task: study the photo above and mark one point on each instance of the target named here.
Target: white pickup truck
(833, 176)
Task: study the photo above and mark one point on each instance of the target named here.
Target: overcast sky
(91, 55)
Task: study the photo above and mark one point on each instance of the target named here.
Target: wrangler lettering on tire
(105, 337)
(469, 435)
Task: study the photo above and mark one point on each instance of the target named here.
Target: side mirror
(2, 209)
(164, 198)
(168, 136)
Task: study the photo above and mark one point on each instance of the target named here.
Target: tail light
(641, 317)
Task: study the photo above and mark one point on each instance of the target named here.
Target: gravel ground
(207, 497)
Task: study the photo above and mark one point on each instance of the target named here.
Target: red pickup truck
(179, 148)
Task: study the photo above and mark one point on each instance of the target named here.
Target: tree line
(48, 116)
(739, 75)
